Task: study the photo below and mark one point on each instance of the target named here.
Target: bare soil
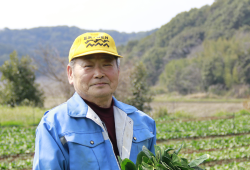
(11, 158)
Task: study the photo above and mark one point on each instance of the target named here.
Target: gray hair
(72, 62)
(118, 61)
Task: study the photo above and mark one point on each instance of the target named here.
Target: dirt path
(198, 109)
(11, 158)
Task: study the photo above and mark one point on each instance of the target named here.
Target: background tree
(141, 97)
(133, 88)
(52, 67)
(18, 77)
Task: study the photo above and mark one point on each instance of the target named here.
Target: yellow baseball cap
(92, 43)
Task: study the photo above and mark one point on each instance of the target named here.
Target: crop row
(211, 143)
(181, 129)
(231, 153)
(20, 163)
(231, 166)
(16, 140)
(186, 117)
(220, 148)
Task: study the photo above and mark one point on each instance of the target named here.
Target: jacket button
(92, 142)
(134, 138)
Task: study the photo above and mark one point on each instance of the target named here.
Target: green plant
(189, 129)
(141, 97)
(160, 113)
(162, 160)
(18, 77)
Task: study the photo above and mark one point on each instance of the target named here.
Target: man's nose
(98, 72)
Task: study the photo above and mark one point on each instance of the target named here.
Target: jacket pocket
(141, 137)
(82, 150)
(86, 139)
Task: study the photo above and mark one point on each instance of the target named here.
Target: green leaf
(162, 150)
(184, 161)
(158, 156)
(154, 160)
(175, 158)
(158, 153)
(127, 165)
(166, 166)
(178, 150)
(147, 166)
(169, 149)
(139, 158)
(167, 155)
(147, 152)
(157, 148)
(144, 168)
(139, 167)
(184, 168)
(120, 160)
(150, 162)
(198, 161)
(197, 168)
(160, 167)
(166, 152)
(168, 162)
(145, 159)
(177, 164)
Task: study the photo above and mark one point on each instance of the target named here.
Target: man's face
(94, 76)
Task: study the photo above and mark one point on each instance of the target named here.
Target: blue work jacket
(72, 137)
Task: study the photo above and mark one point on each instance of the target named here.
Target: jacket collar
(124, 107)
(78, 108)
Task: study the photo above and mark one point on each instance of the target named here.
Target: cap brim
(96, 52)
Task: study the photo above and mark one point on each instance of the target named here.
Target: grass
(239, 113)
(197, 109)
(193, 98)
(20, 115)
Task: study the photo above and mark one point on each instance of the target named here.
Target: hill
(192, 35)
(26, 41)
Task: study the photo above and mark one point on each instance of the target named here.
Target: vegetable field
(225, 138)
(17, 145)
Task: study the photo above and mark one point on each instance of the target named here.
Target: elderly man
(92, 128)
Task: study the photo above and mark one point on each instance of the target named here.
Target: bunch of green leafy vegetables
(162, 160)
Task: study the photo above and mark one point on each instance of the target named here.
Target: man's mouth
(99, 84)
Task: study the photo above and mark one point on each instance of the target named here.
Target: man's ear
(70, 74)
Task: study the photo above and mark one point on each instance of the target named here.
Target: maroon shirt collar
(100, 111)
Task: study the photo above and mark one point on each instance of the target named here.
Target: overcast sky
(121, 15)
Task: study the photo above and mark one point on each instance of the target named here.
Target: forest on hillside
(202, 50)
(29, 41)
